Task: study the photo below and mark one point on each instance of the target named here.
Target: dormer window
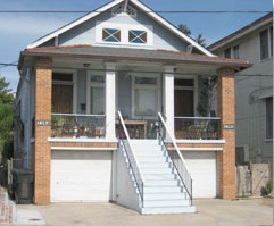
(111, 35)
(137, 36)
(119, 10)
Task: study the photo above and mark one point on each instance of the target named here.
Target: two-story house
(253, 88)
(109, 106)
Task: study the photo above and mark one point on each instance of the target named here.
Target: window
(111, 35)
(236, 52)
(137, 36)
(266, 43)
(114, 33)
(145, 96)
(269, 117)
(97, 95)
(232, 52)
(228, 53)
(62, 93)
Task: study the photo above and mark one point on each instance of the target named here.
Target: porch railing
(197, 128)
(175, 155)
(78, 126)
(133, 164)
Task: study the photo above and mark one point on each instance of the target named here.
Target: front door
(183, 104)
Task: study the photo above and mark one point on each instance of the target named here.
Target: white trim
(82, 149)
(200, 141)
(50, 139)
(197, 149)
(155, 16)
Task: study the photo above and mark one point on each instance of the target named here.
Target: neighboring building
(124, 57)
(253, 88)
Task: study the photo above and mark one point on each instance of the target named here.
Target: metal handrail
(184, 175)
(134, 166)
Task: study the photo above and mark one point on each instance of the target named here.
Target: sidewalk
(210, 213)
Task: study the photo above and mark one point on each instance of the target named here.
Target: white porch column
(169, 97)
(110, 100)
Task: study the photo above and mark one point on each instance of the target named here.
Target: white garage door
(203, 168)
(80, 176)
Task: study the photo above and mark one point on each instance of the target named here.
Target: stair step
(166, 203)
(156, 171)
(158, 176)
(162, 189)
(164, 196)
(161, 182)
(168, 210)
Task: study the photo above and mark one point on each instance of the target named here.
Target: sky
(17, 30)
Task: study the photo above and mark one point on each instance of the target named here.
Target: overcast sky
(19, 29)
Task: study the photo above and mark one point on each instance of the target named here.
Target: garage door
(80, 176)
(202, 166)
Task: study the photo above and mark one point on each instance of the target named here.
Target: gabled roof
(110, 5)
(262, 21)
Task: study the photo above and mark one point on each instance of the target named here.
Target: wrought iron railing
(197, 128)
(175, 155)
(133, 164)
(78, 126)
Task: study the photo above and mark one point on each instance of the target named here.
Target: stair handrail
(139, 183)
(185, 177)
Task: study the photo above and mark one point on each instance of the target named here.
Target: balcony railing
(71, 126)
(197, 128)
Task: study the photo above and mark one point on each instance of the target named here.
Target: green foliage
(6, 113)
(184, 28)
(6, 97)
(269, 187)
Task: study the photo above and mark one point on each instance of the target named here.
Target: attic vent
(119, 9)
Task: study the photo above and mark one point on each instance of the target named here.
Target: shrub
(269, 187)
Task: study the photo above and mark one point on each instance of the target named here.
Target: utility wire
(155, 11)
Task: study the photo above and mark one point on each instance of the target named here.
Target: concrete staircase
(163, 191)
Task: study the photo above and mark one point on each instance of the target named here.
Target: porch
(93, 127)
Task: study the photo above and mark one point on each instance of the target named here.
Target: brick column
(226, 110)
(42, 154)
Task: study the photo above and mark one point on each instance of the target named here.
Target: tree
(6, 113)
(186, 30)
(201, 40)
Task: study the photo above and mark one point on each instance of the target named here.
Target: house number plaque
(43, 123)
(229, 126)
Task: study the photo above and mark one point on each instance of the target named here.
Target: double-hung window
(266, 43)
(97, 94)
(145, 96)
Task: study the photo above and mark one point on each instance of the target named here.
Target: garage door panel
(80, 176)
(202, 166)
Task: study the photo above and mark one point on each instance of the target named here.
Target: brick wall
(42, 154)
(226, 109)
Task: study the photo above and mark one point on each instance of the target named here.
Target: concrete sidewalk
(256, 212)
